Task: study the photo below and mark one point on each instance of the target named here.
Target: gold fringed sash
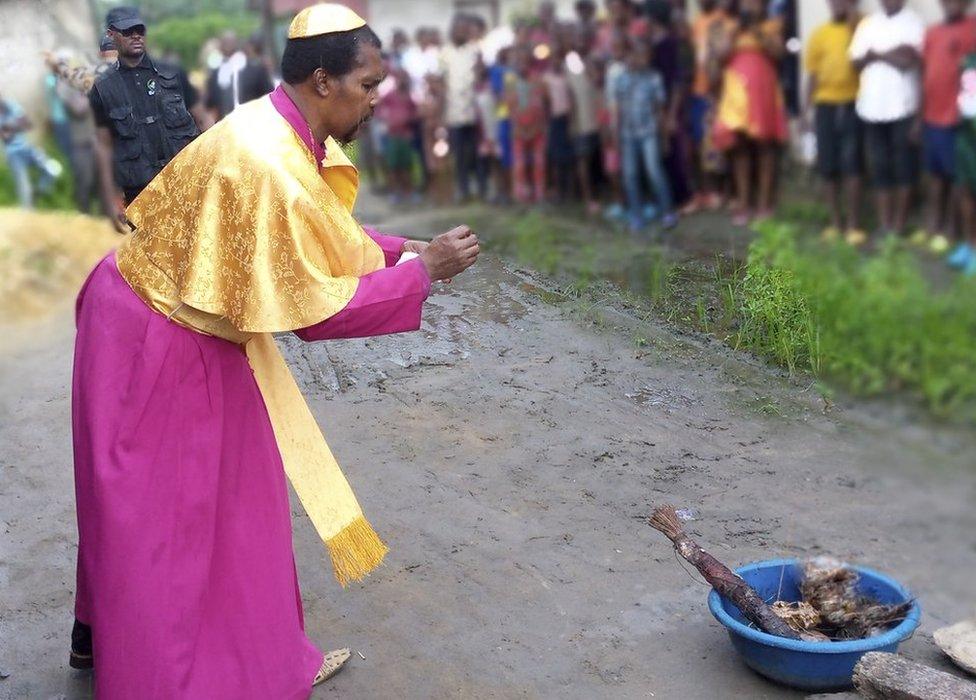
(354, 546)
(243, 235)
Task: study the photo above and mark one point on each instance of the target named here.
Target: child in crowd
(945, 47)
(669, 61)
(525, 95)
(22, 156)
(435, 138)
(488, 150)
(886, 49)
(398, 111)
(458, 63)
(615, 67)
(559, 148)
(831, 95)
(640, 101)
(583, 80)
(963, 256)
(498, 75)
(750, 121)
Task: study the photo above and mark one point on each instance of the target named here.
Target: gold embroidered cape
(242, 236)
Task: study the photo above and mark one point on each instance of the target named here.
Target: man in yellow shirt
(831, 95)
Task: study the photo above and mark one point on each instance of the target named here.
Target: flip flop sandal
(331, 665)
(80, 656)
(81, 662)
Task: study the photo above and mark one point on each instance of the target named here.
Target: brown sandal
(331, 665)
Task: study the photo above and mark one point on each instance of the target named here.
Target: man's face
(131, 42)
(838, 8)
(351, 99)
(618, 10)
(459, 31)
(954, 9)
(752, 8)
(585, 12)
(229, 44)
(399, 41)
(639, 57)
(892, 6)
(547, 12)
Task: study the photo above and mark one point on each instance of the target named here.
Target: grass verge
(870, 325)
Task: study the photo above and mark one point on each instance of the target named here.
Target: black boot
(81, 647)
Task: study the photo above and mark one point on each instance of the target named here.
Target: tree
(157, 10)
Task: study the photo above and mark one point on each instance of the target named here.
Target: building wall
(27, 29)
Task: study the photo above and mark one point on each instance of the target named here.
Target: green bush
(536, 243)
(873, 324)
(184, 36)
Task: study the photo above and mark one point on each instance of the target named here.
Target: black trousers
(464, 145)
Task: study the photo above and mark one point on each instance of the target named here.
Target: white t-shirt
(887, 94)
(585, 95)
(419, 63)
(458, 66)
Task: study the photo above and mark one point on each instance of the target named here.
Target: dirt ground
(510, 453)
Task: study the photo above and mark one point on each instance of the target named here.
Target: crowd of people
(639, 112)
(644, 114)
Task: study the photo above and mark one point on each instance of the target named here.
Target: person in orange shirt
(945, 46)
(750, 117)
(713, 20)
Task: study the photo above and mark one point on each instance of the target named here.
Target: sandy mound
(45, 257)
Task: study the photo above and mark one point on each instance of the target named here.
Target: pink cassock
(186, 572)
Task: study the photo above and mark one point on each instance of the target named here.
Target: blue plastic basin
(817, 666)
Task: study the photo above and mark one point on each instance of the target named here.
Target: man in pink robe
(186, 579)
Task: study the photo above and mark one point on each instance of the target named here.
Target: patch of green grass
(871, 324)
(185, 35)
(868, 325)
(538, 244)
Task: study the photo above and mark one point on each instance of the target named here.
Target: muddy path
(509, 453)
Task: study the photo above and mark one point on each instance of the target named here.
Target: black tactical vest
(135, 161)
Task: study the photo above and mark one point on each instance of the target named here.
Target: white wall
(27, 29)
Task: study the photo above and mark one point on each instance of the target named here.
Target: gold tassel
(355, 550)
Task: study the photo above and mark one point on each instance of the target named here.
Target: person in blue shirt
(641, 99)
(22, 155)
(57, 111)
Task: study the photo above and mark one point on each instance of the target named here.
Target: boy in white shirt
(459, 64)
(886, 50)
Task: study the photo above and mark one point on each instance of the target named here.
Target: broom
(744, 596)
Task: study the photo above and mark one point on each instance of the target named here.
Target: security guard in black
(141, 103)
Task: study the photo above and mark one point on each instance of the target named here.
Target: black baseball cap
(123, 18)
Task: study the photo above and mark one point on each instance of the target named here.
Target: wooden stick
(720, 576)
(881, 676)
